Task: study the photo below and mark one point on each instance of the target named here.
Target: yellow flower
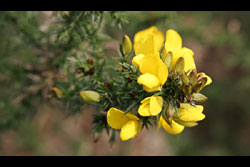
(148, 41)
(154, 73)
(129, 124)
(90, 96)
(151, 106)
(188, 117)
(173, 44)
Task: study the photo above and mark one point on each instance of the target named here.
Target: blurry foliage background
(34, 44)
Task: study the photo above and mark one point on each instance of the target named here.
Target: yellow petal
(151, 106)
(159, 36)
(159, 39)
(137, 60)
(162, 72)
(173, 41)
(149, 64)
(154, 89)
(190, 113)
(146, 100)
(148, 80)
(187, 54)
(156, 103)
(186, 124)
(147, 45)
(116, 118)
(144, 109)
(176, 128)
(130, 129)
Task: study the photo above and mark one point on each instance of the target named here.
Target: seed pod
(168, 60)
(193, 77)
(90, 96)
(184, 78)
(199, 98)
(126, 45)
(179, 66)
(197, 87)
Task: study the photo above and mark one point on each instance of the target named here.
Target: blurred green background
(31, 123)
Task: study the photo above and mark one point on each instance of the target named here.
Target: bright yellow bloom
(151, 106)
(90, 96)
(147, 44)
(173, 44)
(154, 72)
(148, 41)
(188, 117)
(129, 124)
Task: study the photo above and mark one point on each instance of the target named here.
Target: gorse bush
(135, 69)
(165, 83)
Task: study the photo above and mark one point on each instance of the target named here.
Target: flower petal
(116, 118)
(137, 60)
(187, 54)
(146, 100)
(150, 64)
(147, 45)
(129, 130)
(144, 109)
(156, 103)
(190, 113)
(162, 72)
(154, 89)
(148, 80)
(176, 128)
(159, 36)
(173, 41)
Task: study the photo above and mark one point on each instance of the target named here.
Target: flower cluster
(169, 77)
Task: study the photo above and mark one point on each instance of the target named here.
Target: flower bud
(58, 92)
(184, 78)
(199, 98)
(179, 66)
(90, 96)
(193, 77)
(168, 60)
(126, 45)
(168, 113)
